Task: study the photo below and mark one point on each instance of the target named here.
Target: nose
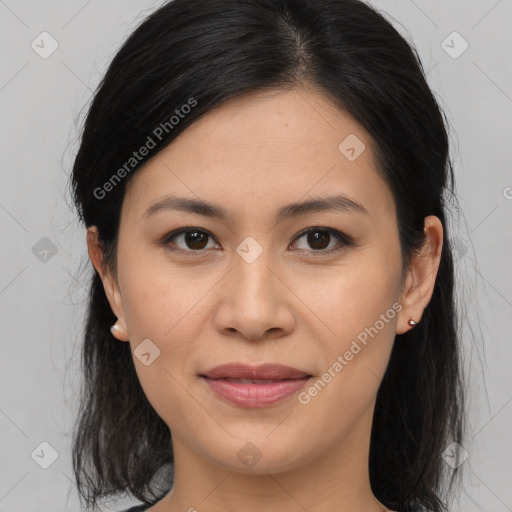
(254, 300)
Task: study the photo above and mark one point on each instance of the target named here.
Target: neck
(335, 480)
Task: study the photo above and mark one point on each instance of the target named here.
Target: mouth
(253, 381)
(262, 372)
(249, 386)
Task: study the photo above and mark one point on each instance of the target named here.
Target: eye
(196, 240)
(319, 239)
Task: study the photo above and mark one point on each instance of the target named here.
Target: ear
(109, 282)
(421, 276)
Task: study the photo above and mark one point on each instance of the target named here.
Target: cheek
(159, 299)
(351, 299)
(163, 308)
(166, 305)
(354, 358)
(363, 322)
(359, 310)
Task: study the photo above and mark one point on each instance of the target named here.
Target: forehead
(263, 150)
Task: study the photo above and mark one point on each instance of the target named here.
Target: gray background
(44, 262)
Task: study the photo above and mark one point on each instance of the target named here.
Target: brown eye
(318, 240)
(191, 240)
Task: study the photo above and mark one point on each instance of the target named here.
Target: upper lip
(263, 371)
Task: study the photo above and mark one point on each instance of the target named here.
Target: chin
(260, 456)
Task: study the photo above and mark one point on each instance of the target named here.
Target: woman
(271, 323)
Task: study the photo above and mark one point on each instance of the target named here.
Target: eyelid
(344, 240)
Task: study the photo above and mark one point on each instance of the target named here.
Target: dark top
(140, 508)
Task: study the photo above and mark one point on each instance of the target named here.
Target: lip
(262, 371)
(289, 380)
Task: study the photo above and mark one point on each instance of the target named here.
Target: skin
(292, 305)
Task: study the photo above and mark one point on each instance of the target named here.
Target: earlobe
(421, 277)
(409, 315)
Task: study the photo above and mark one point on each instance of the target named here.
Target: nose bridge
(251, 273)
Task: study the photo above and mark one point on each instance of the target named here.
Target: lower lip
(255, 395)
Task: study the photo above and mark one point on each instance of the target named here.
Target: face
(318, 290)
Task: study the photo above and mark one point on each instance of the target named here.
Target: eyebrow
(331, 203)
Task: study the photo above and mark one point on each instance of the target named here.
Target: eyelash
(344, 240)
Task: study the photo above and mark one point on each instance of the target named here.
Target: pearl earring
(118, 332)
(411, 322)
